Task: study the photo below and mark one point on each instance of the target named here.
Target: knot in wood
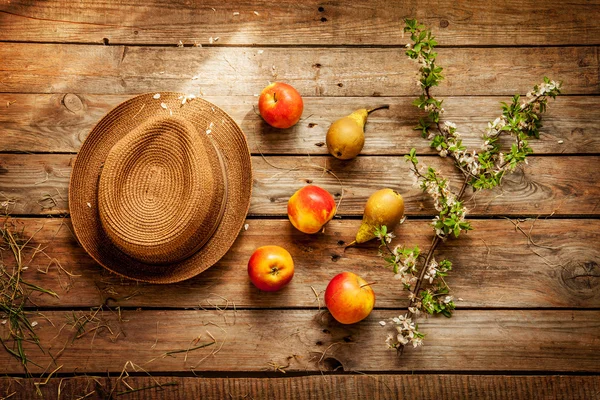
(72, 102)
(581, 276)
(332, 364)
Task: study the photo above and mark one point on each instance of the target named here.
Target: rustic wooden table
(529, 322)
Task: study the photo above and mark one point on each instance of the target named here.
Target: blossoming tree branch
(483, 168)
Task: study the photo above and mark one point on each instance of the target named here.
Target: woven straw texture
(153, 196)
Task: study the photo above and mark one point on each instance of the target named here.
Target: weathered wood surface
(495, 266)
(310, 341)
(565, 185)
(226, 71)
(529, 293)
(291, 22)
(60, 122)
(326, 387)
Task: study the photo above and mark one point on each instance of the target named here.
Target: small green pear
(346, 136)
(384, 207)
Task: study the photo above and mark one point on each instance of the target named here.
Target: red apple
(349, 298)
(310, 208)
(270, 268)
(280, 105)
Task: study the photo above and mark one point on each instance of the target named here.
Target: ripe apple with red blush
(280, 105)
(270, 268)
(349, 298)
(310, 208)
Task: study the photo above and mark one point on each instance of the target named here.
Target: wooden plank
(60, 122)
(334, 387)
(494, 266)
(291, 22)
(226, 71)
(548, 185)
(311, 341)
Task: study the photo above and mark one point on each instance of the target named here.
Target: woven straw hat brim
(83, 188)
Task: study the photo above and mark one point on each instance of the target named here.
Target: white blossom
(406, 332)
(414, 310)
(389, 341)
(186, 98)
(401, 339)
(389, 237)
(431, 271)
(486, 146)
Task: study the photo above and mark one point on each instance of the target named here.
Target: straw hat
(161, 187)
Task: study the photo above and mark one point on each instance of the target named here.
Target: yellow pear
(346, 136)
(384, 207)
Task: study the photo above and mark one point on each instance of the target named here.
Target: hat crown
(161, 192)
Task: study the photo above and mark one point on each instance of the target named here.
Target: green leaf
(456, 230)
(411, 23)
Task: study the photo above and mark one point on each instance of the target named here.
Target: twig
(38, 384)
(532, 243)
(325, 351)
(168, 353)
(43, 181)
(158, 385)
(95, 329)
(489, 251)
(433, 247)
(317, 297)
(155, 341)
(86, 395)
(277, 367)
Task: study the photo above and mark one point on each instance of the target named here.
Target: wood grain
(334, 387)
(60, 122)
(291, 23)
(311, 341)
(561, 186)
(527, 290)
(226, 71)
(494, 266)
